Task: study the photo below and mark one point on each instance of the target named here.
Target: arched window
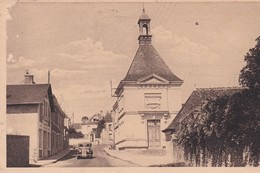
(145, 29)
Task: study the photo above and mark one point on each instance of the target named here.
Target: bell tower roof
(144, 16)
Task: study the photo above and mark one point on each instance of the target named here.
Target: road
(100, 159)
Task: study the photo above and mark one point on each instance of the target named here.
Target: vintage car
(84, 150)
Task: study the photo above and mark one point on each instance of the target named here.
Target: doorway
(154, 134)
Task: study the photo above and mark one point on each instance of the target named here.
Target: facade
(58, 130)
(89, 128)
(30, 110)
(196, 100)
(148, 98)
(107, 133)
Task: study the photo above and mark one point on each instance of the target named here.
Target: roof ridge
(219, 88)
(28, 84)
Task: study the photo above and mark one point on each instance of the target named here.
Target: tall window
(40, 138)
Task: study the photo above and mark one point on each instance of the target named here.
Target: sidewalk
(141, 157)
(52, 159)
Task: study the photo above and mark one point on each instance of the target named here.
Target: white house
(29, 108)
(89, 128)
(148, 98)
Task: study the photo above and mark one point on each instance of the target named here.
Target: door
(153, 129)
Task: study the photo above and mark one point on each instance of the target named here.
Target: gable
(95, 118)
(152, 79)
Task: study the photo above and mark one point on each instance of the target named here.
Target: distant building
(196, 100)
(89, 128)
(148, 98)
(30, 110)
(107, 132)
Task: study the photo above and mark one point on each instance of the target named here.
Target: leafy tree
(84, 119)
(223, 127)
(250, 74)
(226, 130)
(74, 134)
(100, 127)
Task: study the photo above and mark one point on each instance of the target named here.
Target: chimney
(28, 78)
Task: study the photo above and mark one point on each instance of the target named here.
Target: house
(89, 128)
(148, 98)
(58, 131)
(196, 100)
(32, 110)
(107, 132)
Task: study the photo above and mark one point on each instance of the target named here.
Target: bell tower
(145, 36)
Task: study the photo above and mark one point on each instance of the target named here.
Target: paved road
(100, 159)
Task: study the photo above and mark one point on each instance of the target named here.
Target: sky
(87, 45)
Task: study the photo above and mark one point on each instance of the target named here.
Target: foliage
(226, 130)
(250, 74)
(100, 127)
(74, 134)
(84, 119)
(222, 130)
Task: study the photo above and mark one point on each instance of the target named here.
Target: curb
(122, 159)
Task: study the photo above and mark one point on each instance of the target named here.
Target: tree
(84, 119)
(250, 74)
(100, 127)
(227, 125)
(74, 134)
(226, 129)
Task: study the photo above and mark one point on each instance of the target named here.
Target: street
(100, 159)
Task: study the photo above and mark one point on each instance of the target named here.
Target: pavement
(142, 157)
(52, 159)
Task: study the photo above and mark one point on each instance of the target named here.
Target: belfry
(148, 97)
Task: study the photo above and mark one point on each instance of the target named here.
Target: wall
(25, 124)
(107, 134)
(17, 151)
(131, 125)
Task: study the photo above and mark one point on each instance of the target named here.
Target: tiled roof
(26, 94)
(147, 62)
(196, 100)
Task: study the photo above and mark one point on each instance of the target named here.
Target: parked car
(84, 150)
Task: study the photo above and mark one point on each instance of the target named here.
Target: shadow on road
(70, 155)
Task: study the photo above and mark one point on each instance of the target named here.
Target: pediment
(152, 79)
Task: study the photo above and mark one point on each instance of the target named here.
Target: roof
(28, 93)
(147, 62)
(94, 117)
(57, 106)
(76, 125)
(89, 123)
(144, 16)
(196, 100)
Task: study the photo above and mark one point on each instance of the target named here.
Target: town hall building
(148, 98)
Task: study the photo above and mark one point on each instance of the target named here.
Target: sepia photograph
(131, 84)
